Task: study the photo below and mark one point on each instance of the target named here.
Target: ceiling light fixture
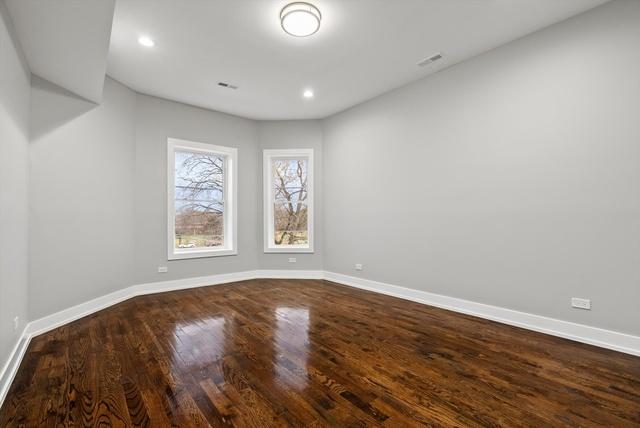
(300, 19)
(308, 93)
(146, 41)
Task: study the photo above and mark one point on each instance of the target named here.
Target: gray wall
(300, 134)
(14, 176)
(511, 179)
(106, 166)
(81, 195)
(98, 192)
(156, 120)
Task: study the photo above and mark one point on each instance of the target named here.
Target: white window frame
(230, 198)
(268, 214)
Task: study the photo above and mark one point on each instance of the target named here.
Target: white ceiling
(363, 48)
(65, 41)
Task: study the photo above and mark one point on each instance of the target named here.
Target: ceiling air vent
(429, 60)
(227, 85)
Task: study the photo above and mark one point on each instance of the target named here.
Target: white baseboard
(73, 313)
(290, 274)
(10, 368)
(49, 322)
(621, 342)
(55, 320)
(591, 335)
(185, 283)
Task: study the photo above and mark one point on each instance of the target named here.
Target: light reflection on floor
(292, 346)
(199, 342)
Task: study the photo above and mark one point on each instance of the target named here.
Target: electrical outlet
(358, 266)
(581, 303)
(292, 260)
(16, 323)
(163, 269)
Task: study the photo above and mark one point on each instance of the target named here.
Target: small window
(202, 200)
(288, 201)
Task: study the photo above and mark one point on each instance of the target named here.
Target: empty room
(330, 213)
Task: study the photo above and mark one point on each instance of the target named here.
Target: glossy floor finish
(310, 353)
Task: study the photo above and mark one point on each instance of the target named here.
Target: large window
(202, 200)
(288, 200)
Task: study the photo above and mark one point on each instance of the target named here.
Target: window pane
(290, 201)
(199, 200)
(290, 224)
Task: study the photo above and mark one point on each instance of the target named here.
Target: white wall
(14, 176)
(511, 179)
(156, 120)
(81, 195)
(295, 134)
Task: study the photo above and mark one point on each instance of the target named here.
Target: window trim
(230, 199)
(268, 214)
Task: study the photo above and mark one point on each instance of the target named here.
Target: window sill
(290, 250)
(197, 254)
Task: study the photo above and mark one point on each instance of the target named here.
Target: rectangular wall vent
(431, 59)
(227, 85)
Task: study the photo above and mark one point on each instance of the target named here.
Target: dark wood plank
(308, 353)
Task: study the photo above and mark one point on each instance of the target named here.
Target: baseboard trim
(290, 274)
(49, 322)
(55, 320)
(13, 363)
(616, 341)
(186, 283)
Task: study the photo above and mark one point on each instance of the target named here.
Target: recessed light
(300, 19)
(308, 93)
(146, 41)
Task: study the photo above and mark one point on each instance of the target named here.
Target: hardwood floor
(310, 353)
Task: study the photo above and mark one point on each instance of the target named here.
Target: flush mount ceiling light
(300, 19)
(146, 41)
(308, 93)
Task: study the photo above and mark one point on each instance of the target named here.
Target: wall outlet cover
(292, 260)
(358, 266)
(163, 269)
(579, 303)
